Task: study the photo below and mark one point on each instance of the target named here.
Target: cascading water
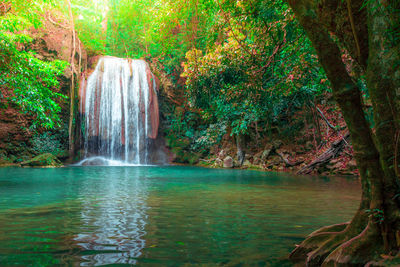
(120, 111)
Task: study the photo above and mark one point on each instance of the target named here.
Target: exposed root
(358, 250)
(341, 245)
(314, 240)
(317, 256)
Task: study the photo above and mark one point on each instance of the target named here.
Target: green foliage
(32, 83)
(49, 142)
(376, 214)
(247, 64)
(204, 139)
(262, 71)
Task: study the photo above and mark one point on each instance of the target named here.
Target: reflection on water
(115, 220)
(162, 216)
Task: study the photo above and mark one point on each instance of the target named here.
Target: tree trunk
(373, 229)
(383, 62)
(240, 148)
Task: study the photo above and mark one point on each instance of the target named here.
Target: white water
(116, 112)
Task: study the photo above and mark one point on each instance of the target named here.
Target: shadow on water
(163, 216)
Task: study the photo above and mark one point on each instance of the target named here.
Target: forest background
(239, 79)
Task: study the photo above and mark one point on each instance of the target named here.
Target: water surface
(163, 216)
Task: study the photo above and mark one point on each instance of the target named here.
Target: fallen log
(328, 155)
(287, 161)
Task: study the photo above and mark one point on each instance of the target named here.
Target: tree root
(340, 245)
(358, 250)
(314, 240)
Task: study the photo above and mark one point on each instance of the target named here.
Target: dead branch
(287, 161)
(334, 151)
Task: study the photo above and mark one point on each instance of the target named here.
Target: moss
(43, 160)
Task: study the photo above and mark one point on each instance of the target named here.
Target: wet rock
(228, 162)
(43, 160)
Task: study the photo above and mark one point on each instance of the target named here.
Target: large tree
(369, 31)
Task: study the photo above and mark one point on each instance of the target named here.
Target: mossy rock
(43, 160)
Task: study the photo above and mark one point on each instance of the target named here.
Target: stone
(265, 154)
(256, 160)
(228, 162)
(43, 160)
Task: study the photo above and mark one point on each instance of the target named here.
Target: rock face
(43, 160)
(228, 162)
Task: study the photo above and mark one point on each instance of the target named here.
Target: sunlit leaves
(32, 82)
(261, 67)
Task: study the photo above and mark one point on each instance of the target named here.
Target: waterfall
(119, 110)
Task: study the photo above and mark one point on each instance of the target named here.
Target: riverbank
(331, 155)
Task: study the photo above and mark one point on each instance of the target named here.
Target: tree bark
(240, 148)
(374, 228)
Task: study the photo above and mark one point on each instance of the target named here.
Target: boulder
(43, 160)
(228, 162)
